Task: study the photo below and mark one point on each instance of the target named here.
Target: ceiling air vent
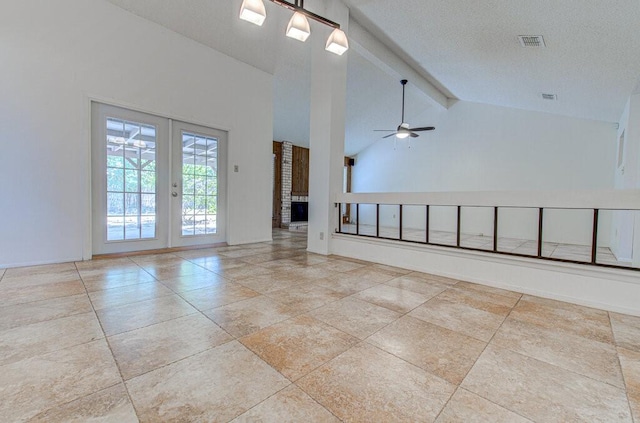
(531, 41)
(549, 96)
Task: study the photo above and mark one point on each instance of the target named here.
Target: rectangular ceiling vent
(549, 96)
(531, 41)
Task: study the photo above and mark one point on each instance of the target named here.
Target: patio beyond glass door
(198, 185)
(138, 202)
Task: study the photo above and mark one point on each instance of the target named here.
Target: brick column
(287, 155)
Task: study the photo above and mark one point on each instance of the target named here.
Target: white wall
(627, 176)
(55, 56)
(478, 147)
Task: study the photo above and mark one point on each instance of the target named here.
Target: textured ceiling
(468, 49)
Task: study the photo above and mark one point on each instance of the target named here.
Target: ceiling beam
(389, 62)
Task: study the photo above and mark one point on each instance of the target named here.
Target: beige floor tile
(582, 321)
(109, 405)
(112, 272)
(305, 297)
(244, 272)
(105, 264)
(215, 385)
(193, 282)
(444, 353)
(346, 283)
(475, 299)
(366, 384)
(291, 405)
(626, 331)
(459, 317)
(418, 284)
(433, 278)
(31, 386)
(218, 264)
(355, 317)
(168, 271)
(38, 279)
(142, 350)
(390, 270)
(630, 363)
(467, 407)
(597, 360)
(244, 317)
(543, 392)
(297, 346)
(40, 311)
(313, 272)
(26, 294)
(108, 298)
(338, 265)
(497, 294)
(369, 274)
(144, 313)
(395, 299)
(217, 296)
(46, 269)
(40, 338)
(165, 259)
(271, 282)
(118, 280)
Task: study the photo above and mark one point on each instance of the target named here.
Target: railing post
(458, 229)
(495, 229)
(540, 217)
(594, 240)
(339, 218)
(427, 225)
(400, 222)
(377, 220)
(357, 218)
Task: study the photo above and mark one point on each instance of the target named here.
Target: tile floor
(507, 245)
(270, 333)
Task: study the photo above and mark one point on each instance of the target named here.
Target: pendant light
(298, 27)
(337, 42)
(253, 11)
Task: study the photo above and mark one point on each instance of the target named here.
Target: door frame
(90, 99)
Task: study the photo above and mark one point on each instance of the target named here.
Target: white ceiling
(468, 49)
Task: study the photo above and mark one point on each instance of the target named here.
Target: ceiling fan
(404, 130)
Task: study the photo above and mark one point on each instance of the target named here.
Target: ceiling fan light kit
(298, 28)
(403, 130)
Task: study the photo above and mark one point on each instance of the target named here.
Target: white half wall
(478, 147)
(58, 55)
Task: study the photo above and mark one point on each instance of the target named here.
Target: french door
(156, 182)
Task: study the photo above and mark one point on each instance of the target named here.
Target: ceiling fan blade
(414, 135)
(384, 130)
(390, 135)
(423, 128)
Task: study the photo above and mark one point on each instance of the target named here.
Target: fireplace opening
(299, 211)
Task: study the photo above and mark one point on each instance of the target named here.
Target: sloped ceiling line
(368, 46)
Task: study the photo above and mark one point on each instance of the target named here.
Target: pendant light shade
(337, 42)
(298, 27)
(253, 11)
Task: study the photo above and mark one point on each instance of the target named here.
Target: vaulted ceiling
(468, 49)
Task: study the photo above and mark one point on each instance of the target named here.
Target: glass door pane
(131, 180)
(198, 185)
